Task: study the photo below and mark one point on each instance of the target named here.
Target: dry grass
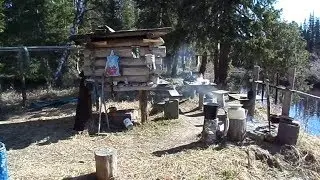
(14, 97)
(42, 145)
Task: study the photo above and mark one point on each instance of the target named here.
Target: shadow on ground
(22, 134)
(193, 145)
(91, 176)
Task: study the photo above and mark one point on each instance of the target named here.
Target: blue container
(3, 163)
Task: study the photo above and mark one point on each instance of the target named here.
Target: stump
(209, 132)
(171, 109)
(237, 129)
(106, 164)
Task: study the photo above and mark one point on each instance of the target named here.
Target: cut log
(237, 129)
(128, 42)
(143, 105)
(106, 164)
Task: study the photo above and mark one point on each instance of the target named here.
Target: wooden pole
(23, 56)
(262, 92)
(251, 109)
(143, 103)
(106, 164)
(277, 84)
(101, 102)
(268, 103)
(288, 94)
(201, 100)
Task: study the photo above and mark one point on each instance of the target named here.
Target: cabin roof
(102, 34)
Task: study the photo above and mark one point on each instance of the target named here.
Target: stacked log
(134, 66)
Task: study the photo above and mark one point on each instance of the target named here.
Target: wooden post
(23, 56)
(143, 104)
(251, 109)
(106, 164)
(201, 100)
(276, 95)
(287, 94)
(268, 103)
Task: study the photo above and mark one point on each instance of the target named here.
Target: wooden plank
(134, 62)
(127, 51)
(126, 62)
(137, 79)
(149, 33)
(127, 42)
(135, 71)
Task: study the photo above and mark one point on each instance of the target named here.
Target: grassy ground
(42, 145)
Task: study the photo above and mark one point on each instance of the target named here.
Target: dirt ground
(42, 145)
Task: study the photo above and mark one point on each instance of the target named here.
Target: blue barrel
(3, 163)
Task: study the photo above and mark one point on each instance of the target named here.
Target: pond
(304, 109)
(307, 111)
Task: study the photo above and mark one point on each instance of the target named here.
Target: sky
(298, 10)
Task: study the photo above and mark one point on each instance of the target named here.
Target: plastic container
(3, 163)
(210, 110)
(128, 124)
(235, 111)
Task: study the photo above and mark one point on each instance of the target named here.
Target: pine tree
(311, 33)
(317, 33)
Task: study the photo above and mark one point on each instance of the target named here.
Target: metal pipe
(39, 48)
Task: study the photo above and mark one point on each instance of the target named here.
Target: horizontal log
(135, 71)
(127, 42)
(126, 71)
(129, 79)
(126, 52)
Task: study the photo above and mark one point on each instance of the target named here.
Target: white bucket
(128, 124)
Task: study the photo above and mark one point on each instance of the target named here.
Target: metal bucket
(210, 110)
(3, 163)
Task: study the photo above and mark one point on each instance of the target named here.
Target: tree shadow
(6, 112)
(191, 111)
(43, 132)
(195, 115)
(91, 176)
(193, 145)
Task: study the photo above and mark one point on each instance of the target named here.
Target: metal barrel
(210, 110)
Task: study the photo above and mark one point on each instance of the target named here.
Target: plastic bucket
(210, 110)
(128, 124)
(3, 163)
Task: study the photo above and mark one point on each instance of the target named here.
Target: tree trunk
(216, 63)
(174, 70)
(204, 63)
(224, 62)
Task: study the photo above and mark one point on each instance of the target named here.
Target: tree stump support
(143, 105)
(106, 164)
(251, 109)
(288, 94)
(237, 129)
